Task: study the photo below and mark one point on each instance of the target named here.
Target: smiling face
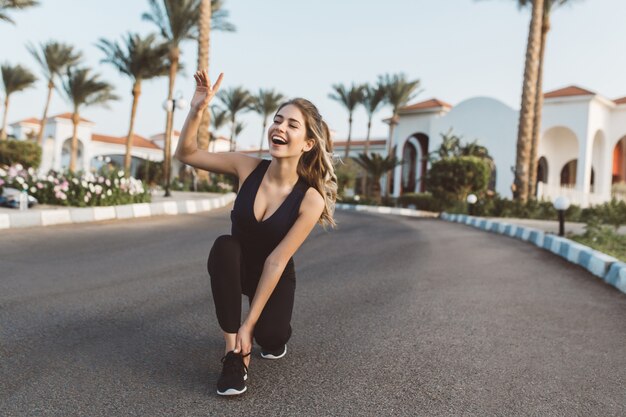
(287, 134)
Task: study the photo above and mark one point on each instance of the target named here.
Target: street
(393, 316)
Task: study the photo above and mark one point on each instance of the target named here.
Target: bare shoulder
(245, 164)
(313, 202)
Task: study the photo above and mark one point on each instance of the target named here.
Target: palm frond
(84, 89)
(373, 97)
(265, 102)
(399, 90)
(54, 57)
(139, 58)
(219, 16)
(235, 100)
(349, 97)
(16, 78)
(6, 5)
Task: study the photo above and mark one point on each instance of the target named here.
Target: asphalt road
(394, 316)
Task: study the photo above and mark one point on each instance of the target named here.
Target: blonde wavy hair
(316, 166)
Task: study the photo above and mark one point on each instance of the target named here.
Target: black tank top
(259, 238)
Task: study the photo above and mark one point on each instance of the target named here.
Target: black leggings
(229, 277)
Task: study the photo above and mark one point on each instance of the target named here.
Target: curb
(609, 269)
(387, 210)
(124, 211)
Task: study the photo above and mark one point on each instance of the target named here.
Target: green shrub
(453, 179)
(346, 172)
(421, 201)
(602, 238)
(26, 153)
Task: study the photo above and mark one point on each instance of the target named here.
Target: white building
(93, 147)
(582, 147)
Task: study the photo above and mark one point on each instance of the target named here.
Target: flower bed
(67, 189)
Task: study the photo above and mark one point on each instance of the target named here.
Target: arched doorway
(559, 147)
(66, 152)
(414, 164)
(568, 174)
(618, 173)
(409, 167)
(542, 170)
(542, 173)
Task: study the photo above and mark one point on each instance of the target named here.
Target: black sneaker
(234, 374)
(274, 354)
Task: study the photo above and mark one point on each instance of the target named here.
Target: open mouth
(277, 140)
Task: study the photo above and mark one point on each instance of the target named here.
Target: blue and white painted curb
(606, 267)
(30, 218)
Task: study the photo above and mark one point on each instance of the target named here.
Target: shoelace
(236, 361)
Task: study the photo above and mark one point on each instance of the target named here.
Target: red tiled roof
(138, 141)
(570, 91)
(433, 103)
(31, 120)
(360, 142)
(68, 116)
(620, 100)
(373, 142)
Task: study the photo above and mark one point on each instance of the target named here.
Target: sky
(458, 49)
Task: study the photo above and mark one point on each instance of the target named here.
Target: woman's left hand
(243, 341)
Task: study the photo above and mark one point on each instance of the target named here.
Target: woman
(278, 204)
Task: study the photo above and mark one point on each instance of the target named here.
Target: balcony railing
(550, 192)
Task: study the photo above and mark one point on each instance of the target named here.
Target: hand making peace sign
(204, 92)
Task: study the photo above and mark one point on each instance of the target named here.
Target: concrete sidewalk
(180, 202)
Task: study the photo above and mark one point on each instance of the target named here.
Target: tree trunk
(74, 146)
(233, 126)
(347, 153)
(167, 147)
(527, 110)
(262, 137)
(204, 30)
(367, 147)
(392, 125)
(376, 190)
(532, 182)
(3, 131)
(42, 125)
(131, 128)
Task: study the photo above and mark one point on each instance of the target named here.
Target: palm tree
(139, 59)
(235, 100)
(399, 91)
(219, 118)
(548, 6)
(376, 166)
(239, 127)
(211, 16)
(373, 97)
(6, 5)
(265, 103)
(527, 109)
(349, 98)
(177, 21)
(84, 89)
(15, 78)
(54, 58)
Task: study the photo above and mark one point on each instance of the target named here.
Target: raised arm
(187, 150)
